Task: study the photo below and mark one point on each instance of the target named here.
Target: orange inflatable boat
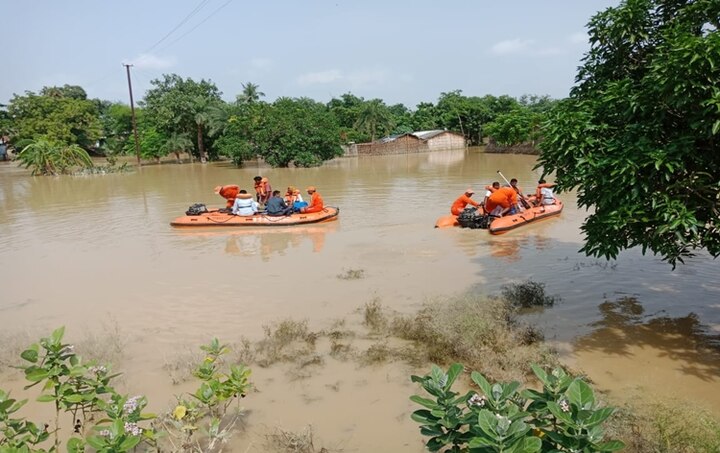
(215, 218)
(506, 223)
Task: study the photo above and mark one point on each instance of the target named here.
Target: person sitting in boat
(298, 202)
(489, 191)
(316, 201)
(523, 199)
(544, 193)
(463, 200)
(502, 201)
(229, 193)
(244, 204)
(263, 189)
(276, 206)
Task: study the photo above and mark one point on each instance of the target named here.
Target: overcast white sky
(400, 51)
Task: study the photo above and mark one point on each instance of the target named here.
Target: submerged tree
(47, 157)
(638, 136)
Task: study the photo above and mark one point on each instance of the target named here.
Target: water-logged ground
(88, 252)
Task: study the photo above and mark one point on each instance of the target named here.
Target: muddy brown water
(87, 251)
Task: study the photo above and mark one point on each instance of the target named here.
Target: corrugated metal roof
(427, 135)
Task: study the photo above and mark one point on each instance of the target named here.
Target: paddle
(525, 204)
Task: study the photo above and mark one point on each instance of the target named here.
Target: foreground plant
(97, 418)
(206, 410)
(564, 416)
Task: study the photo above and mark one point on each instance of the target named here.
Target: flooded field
(97, 254)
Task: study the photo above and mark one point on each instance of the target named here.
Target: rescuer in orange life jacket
(462, 201)
(229, 193)
(316, 202)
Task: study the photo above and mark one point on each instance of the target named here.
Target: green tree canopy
(299, 131)
(60, 114)
(177, 105)
(638, 136)
(374, 119)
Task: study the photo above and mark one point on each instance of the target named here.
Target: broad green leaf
(580, 394)
(487, 422)
(57, 335)
(45, 398)
(129, 443)
(484, 385)
(430, 404)
(453, 372)
(35, 374)
(541, 374)
(96, 442)
(423, 416)
(30, 354)
(599, 416)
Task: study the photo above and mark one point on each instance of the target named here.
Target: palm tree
(47, 157)
(178, 143)
(200, 110)
(250, 94)
(218, 118)
(374, 117)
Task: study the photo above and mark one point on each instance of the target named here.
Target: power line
(188, 17)
(196, 26)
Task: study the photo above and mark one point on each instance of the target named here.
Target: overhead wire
(189, 16)
(197, 25)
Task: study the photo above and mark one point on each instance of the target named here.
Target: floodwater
(87, 251)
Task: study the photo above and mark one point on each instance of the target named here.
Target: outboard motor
(471, 218)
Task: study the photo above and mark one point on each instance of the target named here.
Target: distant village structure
(414, 142)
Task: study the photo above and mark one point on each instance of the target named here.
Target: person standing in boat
(276, 206)
(462, 201)
(229, 193)
(263, 189)
(316, 201)
(244, 204)
(489, 191)
(544, 193)
(501, 202)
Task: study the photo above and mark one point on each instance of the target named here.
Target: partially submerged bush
(374, 317)
(352, 274)
(482, 332)
(527, 294)
(285, 341)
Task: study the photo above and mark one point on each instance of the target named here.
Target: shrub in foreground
(564, 416)
(105, 421)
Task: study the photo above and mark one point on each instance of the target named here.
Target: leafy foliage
(638, 136)
(60, 114)
(177, 105)
(299, 131)
(564, 416)
(46, 157)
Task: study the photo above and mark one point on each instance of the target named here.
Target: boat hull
(510, 222)
(214, 218)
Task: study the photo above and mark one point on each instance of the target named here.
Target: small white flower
(477, 400)
(132, 428)
(564, 406)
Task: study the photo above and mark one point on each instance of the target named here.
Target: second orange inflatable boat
(506, 223)
(215, 218)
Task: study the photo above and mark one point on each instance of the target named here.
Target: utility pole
(132, 110)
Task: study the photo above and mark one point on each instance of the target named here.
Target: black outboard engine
(471, 218)
(196, 209)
